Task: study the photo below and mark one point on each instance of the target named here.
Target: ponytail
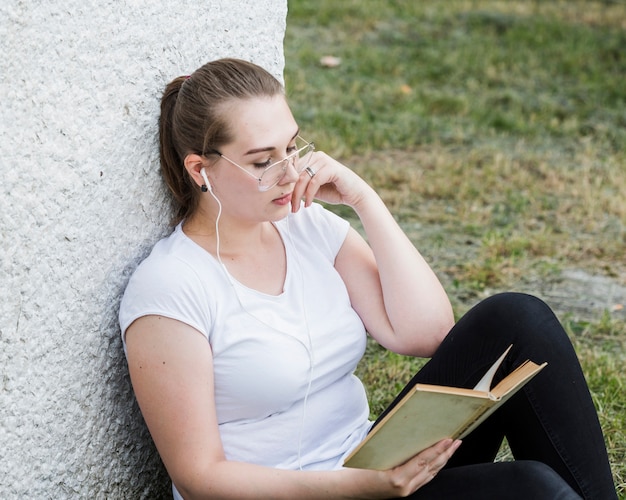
(172, 164)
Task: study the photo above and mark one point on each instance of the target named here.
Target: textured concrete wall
(81, 201)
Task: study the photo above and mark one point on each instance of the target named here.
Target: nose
(290, 175)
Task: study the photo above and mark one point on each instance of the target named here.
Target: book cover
(430, 413)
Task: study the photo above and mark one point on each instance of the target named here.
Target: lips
(283, 200)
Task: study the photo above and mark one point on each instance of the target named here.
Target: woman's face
(265, 131)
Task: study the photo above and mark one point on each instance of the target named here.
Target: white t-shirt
(285, 391)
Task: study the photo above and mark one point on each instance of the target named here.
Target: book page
(485, 383)
(505, 390)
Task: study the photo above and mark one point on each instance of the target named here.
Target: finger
(310, 172)
(425, 466)
(301, 189)
(435, 450)
(311, 177)
(298, 191)
(311, 169)
(311, 188)
(442, 451)
(430, 461)
(439, 461)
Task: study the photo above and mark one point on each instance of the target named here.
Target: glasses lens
(304, 156)
(300, 159)
(273, 175)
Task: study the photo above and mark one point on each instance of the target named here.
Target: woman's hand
(422, 468)
(400, 481)
(331, 182)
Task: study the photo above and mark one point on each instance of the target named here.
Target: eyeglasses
(274, 172)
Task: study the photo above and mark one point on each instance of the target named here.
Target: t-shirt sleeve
(326, 229)
(165, 287)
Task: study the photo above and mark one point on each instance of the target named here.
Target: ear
(193, 164)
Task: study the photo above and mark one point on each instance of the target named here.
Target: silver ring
(310, 171)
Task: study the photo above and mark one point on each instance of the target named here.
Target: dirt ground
(581, 294)
(584, 294)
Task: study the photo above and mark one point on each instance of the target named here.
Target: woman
(243, 328)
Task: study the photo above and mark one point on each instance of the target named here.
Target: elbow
(441, 332)
(443, 321)
(190, 488)
(420, 336)
(432, 335)
(192, 491)
(198, 481)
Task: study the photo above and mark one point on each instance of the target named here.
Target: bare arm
(394, 290)
(171, 370)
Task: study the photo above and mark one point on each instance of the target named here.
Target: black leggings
(551, 425)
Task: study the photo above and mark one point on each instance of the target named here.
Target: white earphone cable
(308, 348)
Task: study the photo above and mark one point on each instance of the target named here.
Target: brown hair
(192, 119)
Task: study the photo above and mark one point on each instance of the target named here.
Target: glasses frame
(285, 161)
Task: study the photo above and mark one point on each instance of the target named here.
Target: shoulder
(168, 282)
(170, 263)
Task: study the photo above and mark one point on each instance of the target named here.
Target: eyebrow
(269, 148)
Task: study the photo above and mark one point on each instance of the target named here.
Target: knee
(512, 309)
(514, 304)
(525, 317)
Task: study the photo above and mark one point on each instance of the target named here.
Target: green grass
(496, 133)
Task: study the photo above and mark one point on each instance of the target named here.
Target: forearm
(236, 480)
(241, 481)
(416, 304)
(399, 298)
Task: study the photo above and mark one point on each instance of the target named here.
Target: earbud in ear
(207, 185)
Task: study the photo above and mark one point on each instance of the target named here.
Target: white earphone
(206, 179)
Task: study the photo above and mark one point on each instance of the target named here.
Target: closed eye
(268, 162)
(265, 164)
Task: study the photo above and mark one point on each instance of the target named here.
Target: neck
(236, 237)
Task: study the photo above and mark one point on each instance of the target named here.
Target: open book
(430, 413)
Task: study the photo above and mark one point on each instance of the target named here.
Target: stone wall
(81, 203)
